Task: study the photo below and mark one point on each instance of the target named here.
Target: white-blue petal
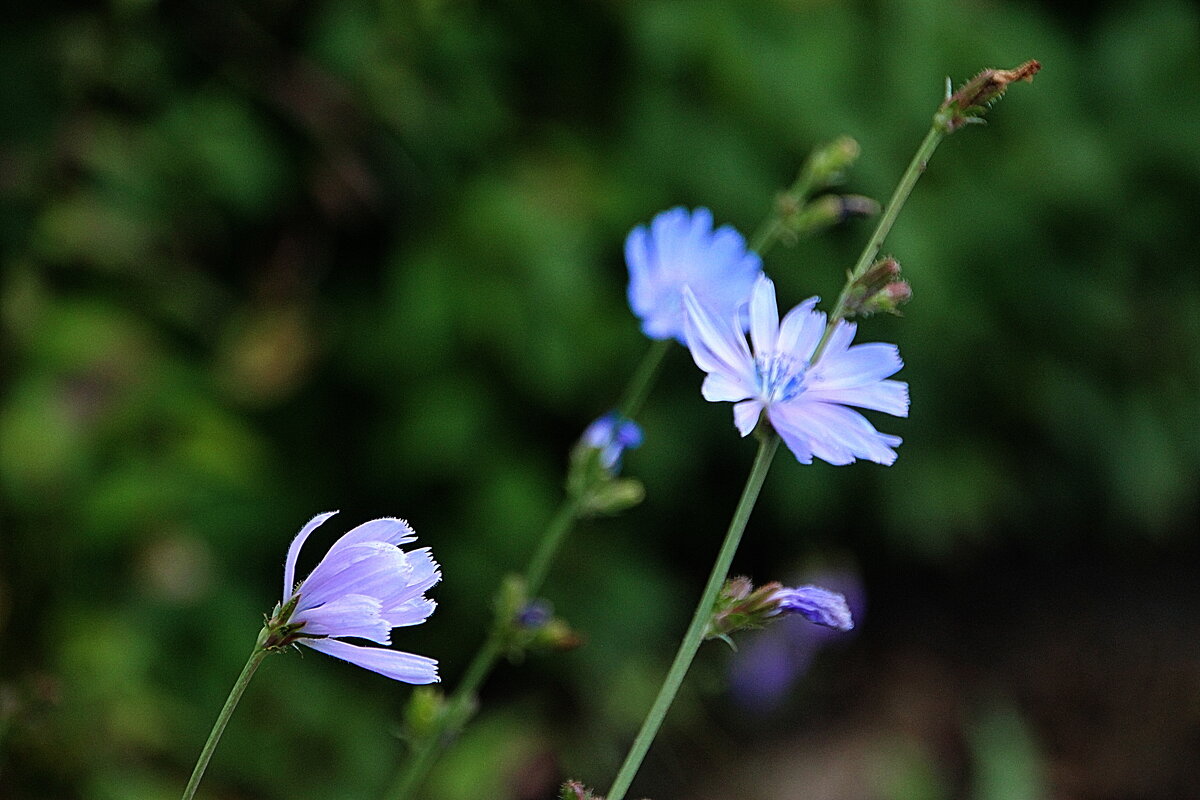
(393, 664)
(349, 615)
(746, 414)
(857, 366)
(719, 387)
(801, 330)
(764, 316)
(890, 397)
(289, 564)
(716, 345)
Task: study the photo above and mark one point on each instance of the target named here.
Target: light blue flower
(363, 587)
(612, 435)
(681, 248)
(806, 403)
(815, 604)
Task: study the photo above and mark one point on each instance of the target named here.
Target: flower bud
(976, 96)
(825, 212)
(828, 163)
(878, 290)
(595, 463)
(574, 790)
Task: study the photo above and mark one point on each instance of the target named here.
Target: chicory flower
(363, 588)
(680, 248)
(612, 434)
(806, 403)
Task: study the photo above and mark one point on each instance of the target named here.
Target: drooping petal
(891, 397)
(716, 345)
(289, 564)
(857, 366)
(764, 316)
(394, 664)
(350, 615)
(746, 414)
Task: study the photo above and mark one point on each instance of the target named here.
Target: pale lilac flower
(682, 249)
(612, 435)
(816, 605)
(363, 587)
(806, 403)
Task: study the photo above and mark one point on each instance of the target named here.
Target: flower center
(780, 376)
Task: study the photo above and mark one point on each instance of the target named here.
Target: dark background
(259, 261)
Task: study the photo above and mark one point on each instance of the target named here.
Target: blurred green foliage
(259, 261)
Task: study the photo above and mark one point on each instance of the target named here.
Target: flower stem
(643, 379)
(695, 632)
(903, 189)
(235, 694)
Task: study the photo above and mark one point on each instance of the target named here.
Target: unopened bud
(828, 163)
(878, 290)
(826, 211)
(976, 96)
(574, 790)
(740, 606)
(423, 713)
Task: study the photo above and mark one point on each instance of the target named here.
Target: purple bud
(612, 435)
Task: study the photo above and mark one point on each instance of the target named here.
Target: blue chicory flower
(363, 587)
(612, 434)
(682, 249)
(806, 403)
(816, 605)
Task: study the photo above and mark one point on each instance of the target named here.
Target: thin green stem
(235, 694)
(772, 228)
(643, 379)
(427, 750)
(695, 632)
(904, 188)
(556, 531)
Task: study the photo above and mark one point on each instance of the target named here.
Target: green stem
(772, 228)
(695, 632)
(903, 189)
(556, 531)
(426, 751)
(643, 379)
(457, 709)
(239, 688)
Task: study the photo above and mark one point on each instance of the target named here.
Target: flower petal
(832, 433)
(350, 615)
(764, 316)
(746, 414)
(717, 346)
(891, 397)
(720, 388)
(816, 605)
(394, 664)
(289, 564)
(801, 329)
(387, 529)
(857, 366)
(371, 568)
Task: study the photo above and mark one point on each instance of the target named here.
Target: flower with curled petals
(363, 587)
(680, 248)
(807, 403)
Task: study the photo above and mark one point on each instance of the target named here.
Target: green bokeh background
(259, 261)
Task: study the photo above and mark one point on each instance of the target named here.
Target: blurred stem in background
(864, 285)
(436, 738)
